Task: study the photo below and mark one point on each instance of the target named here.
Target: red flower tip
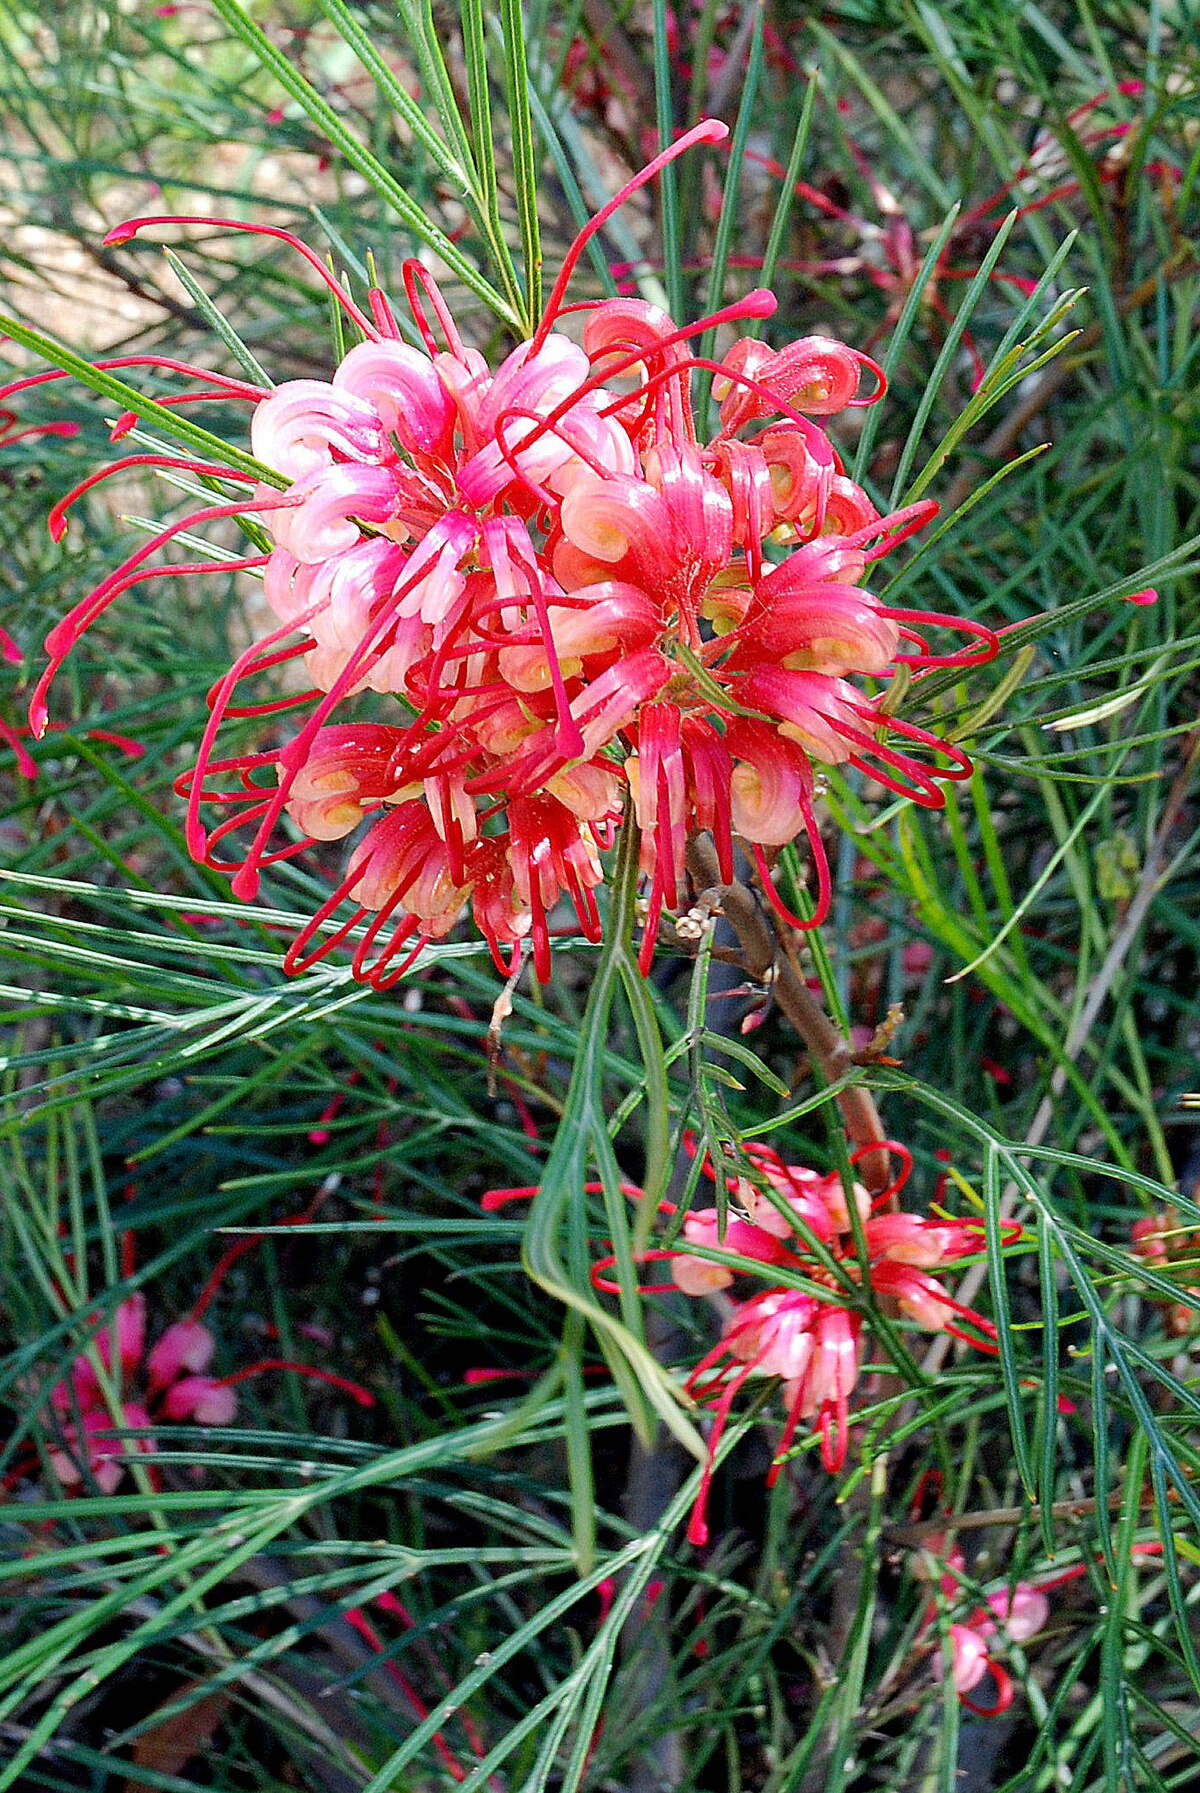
(244, 883)
(8, 435)
(1004, 1694)
(499, 1198)
(121, 233)
(606, 1593)
(760, 303)
(710, 130)
(132, 749)
(1142, 598)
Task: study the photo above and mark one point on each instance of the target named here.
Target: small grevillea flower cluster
(1017, 1614)
(790, 1218)
(572, 601)
(1009, 1615)
(1167, 1246)
(166, 1385)
(169, 1384)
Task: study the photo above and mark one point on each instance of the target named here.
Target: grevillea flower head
(789, 1218)
(119, 1385)
(1014, 1614)
(567, 601)
(1170, 1249)
(83, 1414)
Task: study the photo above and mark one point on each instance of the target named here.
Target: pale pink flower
(186, 1345)
(85, 1411)
(1023, 1611)
(1019, 1614)
(199, 1398)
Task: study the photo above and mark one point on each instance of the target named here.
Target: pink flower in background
(1009, 1615)
(1166, 1246)
(174, 1388)
(139, 1390)
(1018, 1615)
(888, 252)
(1013, 1614)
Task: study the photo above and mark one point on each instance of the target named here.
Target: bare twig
(919, 1532)
(764, 953)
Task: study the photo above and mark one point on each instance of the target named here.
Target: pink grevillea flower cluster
(798, 1220)
(1164, 1244)
(1016, 1614)
(167, 1385)
(1012, 1615)
(571, 601)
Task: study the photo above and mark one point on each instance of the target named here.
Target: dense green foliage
(163, 1080)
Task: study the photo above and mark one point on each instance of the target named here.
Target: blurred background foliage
(163, 1081)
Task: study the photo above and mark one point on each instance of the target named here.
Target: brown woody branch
(767, 957)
